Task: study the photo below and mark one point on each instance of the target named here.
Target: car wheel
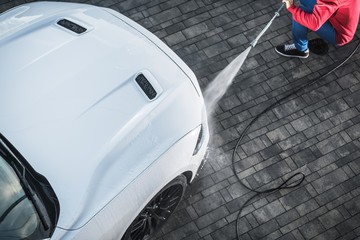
(157, 211)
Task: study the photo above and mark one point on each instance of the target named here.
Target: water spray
(217, 88)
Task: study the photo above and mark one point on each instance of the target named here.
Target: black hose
(285, 184)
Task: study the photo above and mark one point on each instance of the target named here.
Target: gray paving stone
(318, 128)
(348, 225)
(302, 123)
(277, 82)
(315, 214)
(330, 180)
(253, 146)
(274, 235)
(274, 71)
(295, 198)
(236, 190)
(355, 166)
(226, 195)
(348, 171)
(329, 195)
(264, 229)
(188, 6)
(293, 225)
(216, 49)
(324, 91)
(268, 53)
(197, 19)
(341, 208)
(215, 188)
(213, 227)
(237, 40)
(252, 80)
(303, 157)
(311, 229)
(278, 134)
(353, 99)
(271, 151)
(174, 38)
(353, 206)
(225, 137)
(278, 169)
(331, 219)
(328, 169)
(307, 207)
(196, 30)
(208, 42)
(344, 116)
(227, 232)
(229, 102)
(201, 184)
(348, 81)
(192, 213)
(348, 158)
(354, 131)
(323, 161)
(222, 174)
(211, 217)
(208, 203)
(287, 217)
(357, 232)
(182, 232)
(292, 141)
(252, 220)
(268, 212)
(340, 129)
(332, 109)
(165, 16)
(330, 234)
(349, 236)
(330, 144)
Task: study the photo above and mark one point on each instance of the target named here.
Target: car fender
(113, 220)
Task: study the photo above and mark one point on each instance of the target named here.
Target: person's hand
(288, 3)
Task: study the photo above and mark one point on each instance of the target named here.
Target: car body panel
(80, 114)
(115, 218)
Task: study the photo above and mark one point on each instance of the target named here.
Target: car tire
(157, 211)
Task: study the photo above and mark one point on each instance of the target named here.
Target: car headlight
(200, 141)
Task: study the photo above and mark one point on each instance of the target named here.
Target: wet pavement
(315, 131)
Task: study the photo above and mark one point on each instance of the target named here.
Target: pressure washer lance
(277, 13)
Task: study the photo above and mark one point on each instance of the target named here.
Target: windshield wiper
(20, 170)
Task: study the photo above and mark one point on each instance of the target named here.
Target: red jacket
(342, 14)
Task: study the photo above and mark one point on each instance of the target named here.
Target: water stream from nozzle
(218, 87)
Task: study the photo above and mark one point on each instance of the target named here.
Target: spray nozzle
(281, 7)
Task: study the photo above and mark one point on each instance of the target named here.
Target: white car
(102, 125)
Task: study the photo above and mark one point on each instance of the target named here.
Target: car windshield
(18, 217)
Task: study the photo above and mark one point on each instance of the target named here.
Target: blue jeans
(299, 32)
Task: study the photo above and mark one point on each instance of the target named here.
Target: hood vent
(76, 28)
(146, 86)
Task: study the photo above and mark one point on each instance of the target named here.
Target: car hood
(70, 103)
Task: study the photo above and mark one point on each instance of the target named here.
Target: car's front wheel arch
(188, 176)
(158, 210)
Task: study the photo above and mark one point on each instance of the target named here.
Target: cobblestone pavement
(315, 132)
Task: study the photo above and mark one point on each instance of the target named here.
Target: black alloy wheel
(157, 211)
